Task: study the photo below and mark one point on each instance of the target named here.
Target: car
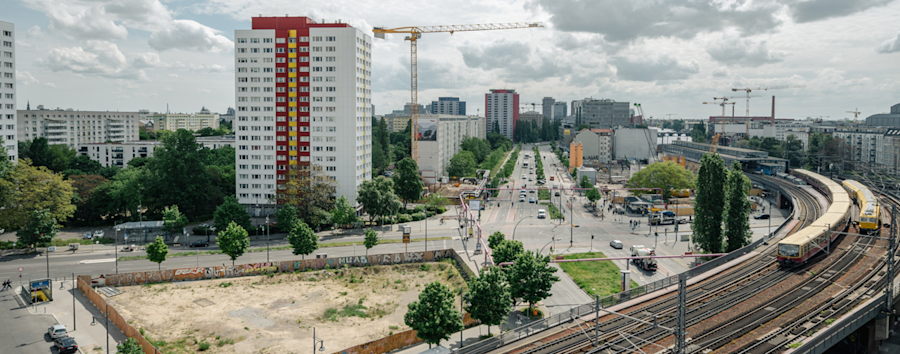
(57, 331)
(531, 191)
(66, 345)
(87, 236)
(531, 200)
(616, 244)
(556, 194)
(542, 213)
(552, 178)
(521, 199)
(761, 217)
(98, 233)
(530, 179)
(524, 176)
(201, 243)
(540, 181)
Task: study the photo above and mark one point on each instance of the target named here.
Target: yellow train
(869, 210)
(800, 246)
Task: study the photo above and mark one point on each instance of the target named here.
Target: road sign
(21, 269)
(405, 238)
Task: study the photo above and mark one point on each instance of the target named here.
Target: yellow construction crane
(748, 89)
(724, 100)
(856, 113)
(414, 34)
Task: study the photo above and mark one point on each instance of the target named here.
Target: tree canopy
(462, 164)
(231, 211)
(531, 277)
(173, 220)
(489, 297)
(29, 188)
(434, 315)
(233, 241)
(371, 240)
(407, 183)
(709, 204)
(737, 223)
(40, 229)
(666, 175)
(343, 213)
(377, 195)
(303, 239)
(157, 251)
(309, 189)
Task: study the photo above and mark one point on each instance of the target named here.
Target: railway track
(620, 334)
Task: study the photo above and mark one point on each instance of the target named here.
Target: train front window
(789, 250)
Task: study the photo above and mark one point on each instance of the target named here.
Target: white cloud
(95, 57)
(147, 60)
(208, 68)
(26, 78)
(35, 31)
(189, 35)
(743, 52)
(663, 67)
(891, 45)
(79, 20)
(721, 72)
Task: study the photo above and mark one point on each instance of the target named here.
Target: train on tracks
(800, 246)
(869, 210)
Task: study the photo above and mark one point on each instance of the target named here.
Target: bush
(403, 218)
(201, 230)
(204, 346)
(419, 209)
(430, 213)
(418, 216)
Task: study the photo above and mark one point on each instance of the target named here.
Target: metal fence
(523, 331)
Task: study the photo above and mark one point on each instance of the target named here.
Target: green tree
(489, 297)
(233, 241)
(179, 175)
(434, 315)
(303, 239)
(462, 164)
(40, 229)
(709, 204)
(585, 182)
(495, 238)
(157, 251)
(507, 251)
(130, 346)
(84, 165)
(377, 195)
(436, 201)
(343, 213)
(666, 176)
(593, 195)
(286, 216)
(698, 133)
(793, 150)
(407, 183)
(308, 188)
(531, 278)
(737, 224)
(480, 148)
(28, 188)
(173, 220)
(231, 211)
(371, 240)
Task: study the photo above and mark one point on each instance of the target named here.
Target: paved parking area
(22, 332)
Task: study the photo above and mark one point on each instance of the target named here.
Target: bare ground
(276, 314)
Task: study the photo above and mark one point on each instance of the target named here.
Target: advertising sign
(475, 204)
(426, 129)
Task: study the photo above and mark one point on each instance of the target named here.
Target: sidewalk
(89, 337)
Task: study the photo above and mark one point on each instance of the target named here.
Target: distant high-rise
(8, 128)
(602, 113)
(303, 92)
(547, 107)
(502, 107)
(448, 105)
(420, 109)
(560, 110)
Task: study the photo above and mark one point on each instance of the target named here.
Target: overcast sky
(670, 56)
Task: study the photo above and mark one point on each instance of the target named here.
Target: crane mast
(415, 33)
(749, 89)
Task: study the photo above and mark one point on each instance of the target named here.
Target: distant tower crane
(415, 33)
(715, 142)
(533, 106)
(748, 89)
(856, 113)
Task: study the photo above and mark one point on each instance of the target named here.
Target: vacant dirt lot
(276, 314)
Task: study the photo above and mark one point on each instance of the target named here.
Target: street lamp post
(517, 225)
(116, 247)
(317, 340)
(267, 237)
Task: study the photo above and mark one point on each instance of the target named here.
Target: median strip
(279, 248)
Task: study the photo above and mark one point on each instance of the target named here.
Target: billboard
(426, 129)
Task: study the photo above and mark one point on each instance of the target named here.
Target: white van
(542, 213)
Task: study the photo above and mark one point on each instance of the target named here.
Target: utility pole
(681, 327)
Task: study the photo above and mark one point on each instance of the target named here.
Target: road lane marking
(102, 260)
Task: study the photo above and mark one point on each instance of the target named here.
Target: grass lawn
(597, 278)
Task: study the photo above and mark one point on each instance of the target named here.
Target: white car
(98, 233)
(542, 213)
(57, 331)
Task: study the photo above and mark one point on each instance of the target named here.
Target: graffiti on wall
(227, 271)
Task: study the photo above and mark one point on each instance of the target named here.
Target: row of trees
(489, 296)
(389, 147)
(533, 132)
(721, 199)
(478, 153)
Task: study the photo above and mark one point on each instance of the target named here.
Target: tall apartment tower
(448, 105)
(502, 106)
(547, 106)
(303, 95)
(8, 129)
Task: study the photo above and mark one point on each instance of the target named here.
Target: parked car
(66, 345)
(616, 244)
(57, 331)
(87, 236)
(761, 217)
(201, 243)
(98, 233)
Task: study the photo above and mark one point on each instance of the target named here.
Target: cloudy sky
(670, 56)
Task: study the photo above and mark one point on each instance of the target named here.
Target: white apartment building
(867, 145)
(74, 128)
(8, 129)
(441, 138)
(189, 121)
(303, 96)
(596, 144)
(502, 106)
(119, 154)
